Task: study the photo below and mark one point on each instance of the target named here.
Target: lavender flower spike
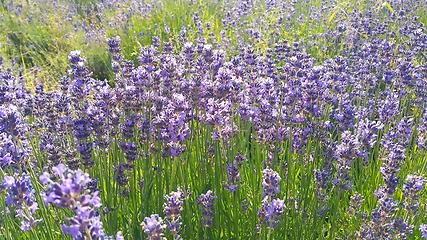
(70, 192)
(154, 227)
(270, 183)
(20, 194)
(275, 210)
(207, 201)
(172, 209)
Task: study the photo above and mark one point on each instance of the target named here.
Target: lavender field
(232, 119)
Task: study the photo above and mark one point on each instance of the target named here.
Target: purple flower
(423, 229)
(411, 190)
(83, 224)
(233, 171)
(270, 183)
(69, 192)
(275, 210)
(355, 204)
(404, 129)
(172, 207)
(346, 152)
(207, 202)
(154, 227)
(29, 222)
(403, 229)
(270, 212)
(14, 147)
(233, 188)
(263, 211)
(74, 57)
(19, 191)
(368, 131)
(20, 194)
(11, 121)
(114, 45)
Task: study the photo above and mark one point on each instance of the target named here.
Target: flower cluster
(382, 224)
(172, 210)
(270, 183)
(271, 209)
(332, 100)
(20, 195)
(411, 190)
(69, 192)
(346, 152)
(206, 203)
(14, 147)
(154, 227)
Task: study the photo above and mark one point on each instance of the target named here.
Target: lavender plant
(285, 119)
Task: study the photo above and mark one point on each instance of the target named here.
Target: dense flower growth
(226, 120)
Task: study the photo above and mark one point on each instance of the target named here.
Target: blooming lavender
(13, 141)
(423, 229)
(206, 203)
(390, 169)
(172, 210)
(271, 209)
(69, 192)
(233, 175)
(346, 152)
(154, 227)
(381, 224)
(275, 210)
(270, 183)
(411, 190)
(323, 94)
(356, 202)
(368, 131)
(20, 195)
(122, 178)
(404, 129)
(422, 132)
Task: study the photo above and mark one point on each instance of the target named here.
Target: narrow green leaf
(332, 16)
(25, 68)
(389, 7)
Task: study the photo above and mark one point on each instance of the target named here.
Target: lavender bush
(213, 120)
